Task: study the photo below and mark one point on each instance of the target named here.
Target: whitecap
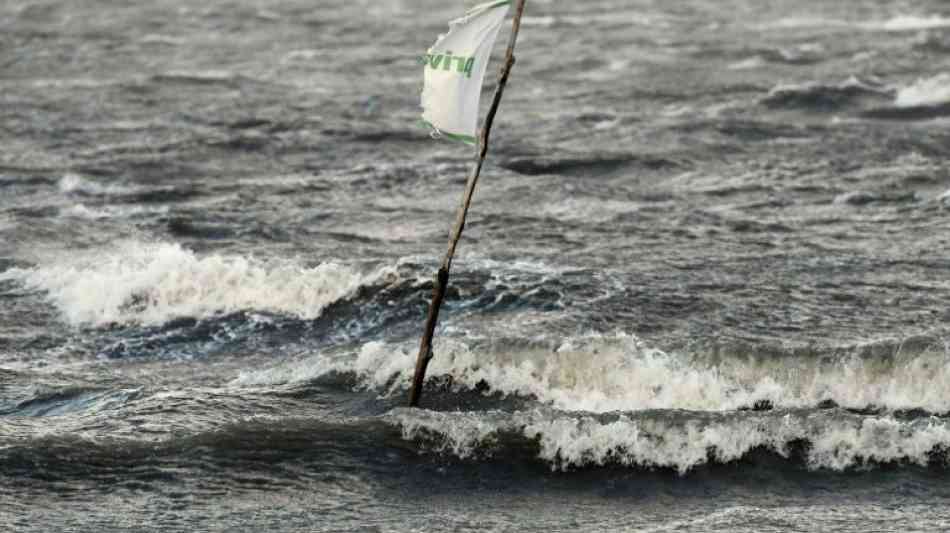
(152, 283)
(925, 92)
(747, 64)
(895, 24)
(98, 213)
(913, 22)
(837, 441)
(606, 373)
(154, 38)
(81, 211)
(74, 183)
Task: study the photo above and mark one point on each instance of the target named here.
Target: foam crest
(833, 440)
(925, 92)
(378, 365)
(620, 373)
(566, 442)
(459, 433)
(878, 439)
(152, 283)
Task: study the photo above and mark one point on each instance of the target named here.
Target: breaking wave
(933, 91)
(620, 373)
(821, 97)
(152, 283)
(828, 439)
(925, 99)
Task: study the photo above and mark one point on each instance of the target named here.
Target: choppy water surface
(704, 286)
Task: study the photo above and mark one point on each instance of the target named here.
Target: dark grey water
(703, 287)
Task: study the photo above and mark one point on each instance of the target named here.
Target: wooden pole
(442, 276)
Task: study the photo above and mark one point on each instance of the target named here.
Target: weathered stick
(442, 277)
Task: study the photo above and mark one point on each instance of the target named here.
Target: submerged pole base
(425, 346)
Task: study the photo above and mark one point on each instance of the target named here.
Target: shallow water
(702, 287)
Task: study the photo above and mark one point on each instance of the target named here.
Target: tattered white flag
(455, 68)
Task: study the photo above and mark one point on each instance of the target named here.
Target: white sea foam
(748, 64)
(209, 75)
(70, 83)
(925, 92)
(837, 440)
(152, 283)
(894, 24)
(74, 183)
(98, 213)
(851, 83)
(913, 22)
(81, 211)
(7, 222)
(303, 56)
(155, 38)
(602, 374)
(589, 209)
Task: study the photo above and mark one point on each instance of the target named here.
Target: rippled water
(703, 286)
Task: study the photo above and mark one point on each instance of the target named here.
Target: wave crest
(153, 283)
(933, 91)
(679, 441)
(621, 373)
(822, 97)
